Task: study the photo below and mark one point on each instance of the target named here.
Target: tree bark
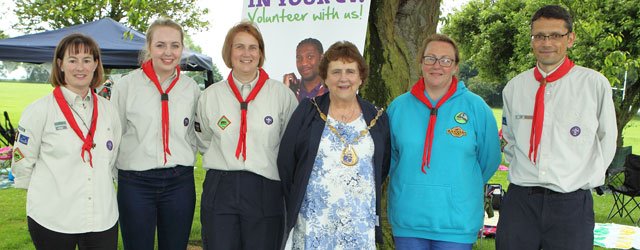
(396, 31)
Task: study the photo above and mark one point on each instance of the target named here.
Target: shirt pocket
(267, 127)
(577, 130)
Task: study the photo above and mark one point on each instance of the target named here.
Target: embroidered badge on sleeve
(24, 139)
(17, 155)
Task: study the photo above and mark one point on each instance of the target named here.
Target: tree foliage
(495, 35)
(37, 15)
(396, 31)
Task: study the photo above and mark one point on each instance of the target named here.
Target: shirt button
(89, 198)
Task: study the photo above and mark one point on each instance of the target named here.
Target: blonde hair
(76, 43)
(160, 22)
(244, 26)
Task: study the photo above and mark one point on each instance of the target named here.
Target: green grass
(14, 97)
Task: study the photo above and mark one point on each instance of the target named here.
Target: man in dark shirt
(308, 55)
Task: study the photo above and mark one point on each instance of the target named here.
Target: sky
(223, 14)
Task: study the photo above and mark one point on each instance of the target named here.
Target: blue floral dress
(339, 206)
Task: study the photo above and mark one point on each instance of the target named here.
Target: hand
(289, 79)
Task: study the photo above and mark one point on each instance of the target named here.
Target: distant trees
(495, 37)
(36, 15)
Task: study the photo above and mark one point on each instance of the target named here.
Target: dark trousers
(538, 218)
(241, 210)
(45, 239)
(162, 198)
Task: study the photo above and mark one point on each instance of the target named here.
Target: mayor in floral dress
(333, 159)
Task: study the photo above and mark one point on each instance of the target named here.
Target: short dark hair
(347, 52)
(554, 12)
(314, 42)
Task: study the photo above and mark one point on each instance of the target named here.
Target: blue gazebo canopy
(120, 46)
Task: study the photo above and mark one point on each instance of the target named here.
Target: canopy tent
(120, 46)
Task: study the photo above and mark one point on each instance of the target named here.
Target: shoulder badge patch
(461, 118)
(23, 139)
(17, 155)
(223, 122)
(456, 132)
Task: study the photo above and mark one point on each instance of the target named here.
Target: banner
(285, 23)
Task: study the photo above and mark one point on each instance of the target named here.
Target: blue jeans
(425, 244)
(162, 198)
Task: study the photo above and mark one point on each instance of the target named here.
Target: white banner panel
(284, 23)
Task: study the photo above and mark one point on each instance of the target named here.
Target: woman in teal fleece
(444, 148)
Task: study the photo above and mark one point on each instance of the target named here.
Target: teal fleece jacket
(446, 202)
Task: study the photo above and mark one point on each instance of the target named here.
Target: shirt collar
(73, 98)
(544, 74)
(252, 82)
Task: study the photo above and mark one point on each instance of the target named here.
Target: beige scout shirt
(138, 102)
(65, 194)
(579, 131)
(218, 116)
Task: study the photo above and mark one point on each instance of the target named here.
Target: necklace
(76, 112)
(348, 157)
(347, 116)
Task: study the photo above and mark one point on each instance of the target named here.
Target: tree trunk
(396, 31)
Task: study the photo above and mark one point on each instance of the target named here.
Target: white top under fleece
(267, 118)
(138, 102)
(578, 136)
(65, 194)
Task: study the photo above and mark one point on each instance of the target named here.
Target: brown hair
(439, 38)
(160, 22)
(347, 52)
(244, 26)
(76, 43)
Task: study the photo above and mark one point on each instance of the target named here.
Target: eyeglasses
(444, 61)
(552, 37)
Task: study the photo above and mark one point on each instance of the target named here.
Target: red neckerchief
(242, 139)
(147, 68)
(538, 109)
(418, 91)
(66, 111)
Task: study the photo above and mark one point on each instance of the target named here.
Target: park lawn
(14, 97)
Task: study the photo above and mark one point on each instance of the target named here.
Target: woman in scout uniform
(156, 190)
(333, 159)
(239, 124)
(65, 152)
(444, 148)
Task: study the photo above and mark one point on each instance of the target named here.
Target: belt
(541, 190)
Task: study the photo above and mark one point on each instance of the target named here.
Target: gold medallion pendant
(349, 156)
